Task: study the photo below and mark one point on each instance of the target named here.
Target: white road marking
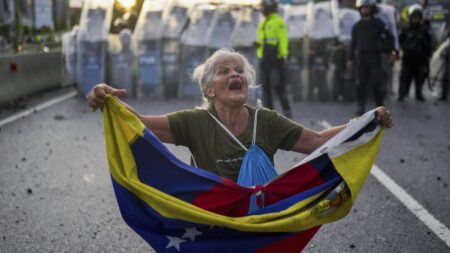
(413, 205)
(37, 108)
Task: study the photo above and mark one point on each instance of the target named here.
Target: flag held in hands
(179, 208)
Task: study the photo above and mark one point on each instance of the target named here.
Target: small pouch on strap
(256, 168)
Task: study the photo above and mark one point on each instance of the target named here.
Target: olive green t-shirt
(214, 150)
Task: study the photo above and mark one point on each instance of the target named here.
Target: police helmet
(360, 3)
(415, 9)
(269, 5)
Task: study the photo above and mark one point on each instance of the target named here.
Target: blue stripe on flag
(372, 125)
(325, 167)
(157, 167)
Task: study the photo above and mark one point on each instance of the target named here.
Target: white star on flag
(174, 242)
(191, 233)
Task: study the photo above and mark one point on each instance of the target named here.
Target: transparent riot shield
(174, 20)
(438, 67)
(387, 14)
(344, 85)
(244, 35)
(322, 30)
(194, 48)
(92, 43)
(295, 16)
(220, 31)
(322, 20)
(243, 41)
(69, 53)
(122, 65)
(147, 42)
(347, 19)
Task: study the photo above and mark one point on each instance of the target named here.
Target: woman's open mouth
(235, 85)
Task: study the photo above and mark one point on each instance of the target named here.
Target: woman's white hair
(204, 73)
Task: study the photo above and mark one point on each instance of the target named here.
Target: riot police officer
(370, 39)
(415, 42)
(272, 42)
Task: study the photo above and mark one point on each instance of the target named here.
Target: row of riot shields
(171, 38)
(319, 41)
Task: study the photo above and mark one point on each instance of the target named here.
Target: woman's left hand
(384, 116)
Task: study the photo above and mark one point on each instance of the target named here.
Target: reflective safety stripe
(271, 41)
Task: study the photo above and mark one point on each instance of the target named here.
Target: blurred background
(150, 47)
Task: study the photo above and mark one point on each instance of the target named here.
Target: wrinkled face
(229, 86)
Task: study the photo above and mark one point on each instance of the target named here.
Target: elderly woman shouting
(222, 131)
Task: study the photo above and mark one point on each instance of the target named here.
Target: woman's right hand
(97, 96)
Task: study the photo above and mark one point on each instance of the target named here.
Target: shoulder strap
(228, 131)
(255, 123)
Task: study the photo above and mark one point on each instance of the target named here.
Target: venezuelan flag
(179, 208)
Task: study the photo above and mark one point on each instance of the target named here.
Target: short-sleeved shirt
(214, 150)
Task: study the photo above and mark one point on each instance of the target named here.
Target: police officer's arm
(310, 140)
(401, 38)
(283, 40)
(351, 52)
(158, 124)
(428, 44)
(259, 37)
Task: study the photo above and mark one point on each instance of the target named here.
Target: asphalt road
(56, 194)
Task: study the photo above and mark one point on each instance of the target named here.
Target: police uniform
(272, 51)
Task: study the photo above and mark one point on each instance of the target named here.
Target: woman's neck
(234, 118)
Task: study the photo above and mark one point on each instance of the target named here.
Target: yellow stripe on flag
(354, 165)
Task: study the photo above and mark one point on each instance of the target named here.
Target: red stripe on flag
(293, 182)
(227, 199)
(292, 244)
